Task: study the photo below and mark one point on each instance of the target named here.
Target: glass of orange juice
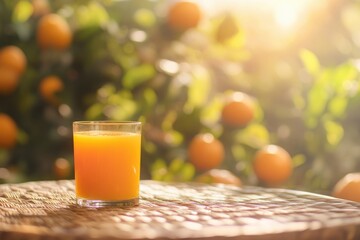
(107, 163)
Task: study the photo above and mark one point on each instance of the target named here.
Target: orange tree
(139, 60)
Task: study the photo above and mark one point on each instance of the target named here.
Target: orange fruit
(205, 152)
(62, 168)
(49, 87)
(40, 7)
(8, 131)
(238, 110)
(183, 15)
(13, 58)
(219, 176)
(348, 187)
(53, 32)
(9, 80)
(272, 165)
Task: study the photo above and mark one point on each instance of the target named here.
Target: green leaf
(337, 106)
(311, 121)
(176, 137)
(298, 160)
(138, 75)
(187, 172)
(199, 88)
(22, 137)
(149, 146)
(158, 170)
(105, 92)
(342, 75)
(158, 164)
(238, 151)
(145, 18)
(92, 14)
(254, 135)
(310, 61)
(168, 177)
(150, 97)
(317, 99)
(258, 111)
(94, 112)
(176, 165)
(334, 132)
(4, 157)
(211, 112)
(22, 12)
(187, 122)
(229, 31)
(124, 110)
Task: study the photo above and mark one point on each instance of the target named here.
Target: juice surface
(107, 165)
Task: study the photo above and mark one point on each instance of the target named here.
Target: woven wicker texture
(47, 210)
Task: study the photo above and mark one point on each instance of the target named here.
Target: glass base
(105, 203)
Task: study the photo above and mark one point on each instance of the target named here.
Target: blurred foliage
(125, 63)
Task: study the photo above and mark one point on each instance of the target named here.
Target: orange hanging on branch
(9, 80)
(221, 176)
(13, 58)
(183, 15)
(348, 187)
(8, 131)
(272, 165)
(205, 152)
(49, 87)
(238, 110)
(53, 32)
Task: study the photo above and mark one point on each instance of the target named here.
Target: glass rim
(107, 122)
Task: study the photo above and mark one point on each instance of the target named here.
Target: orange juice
(107, 165)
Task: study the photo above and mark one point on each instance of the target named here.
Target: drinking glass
(107, 163)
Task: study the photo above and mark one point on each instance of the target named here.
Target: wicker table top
(47, 210)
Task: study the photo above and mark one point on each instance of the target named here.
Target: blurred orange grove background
(233, 92)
